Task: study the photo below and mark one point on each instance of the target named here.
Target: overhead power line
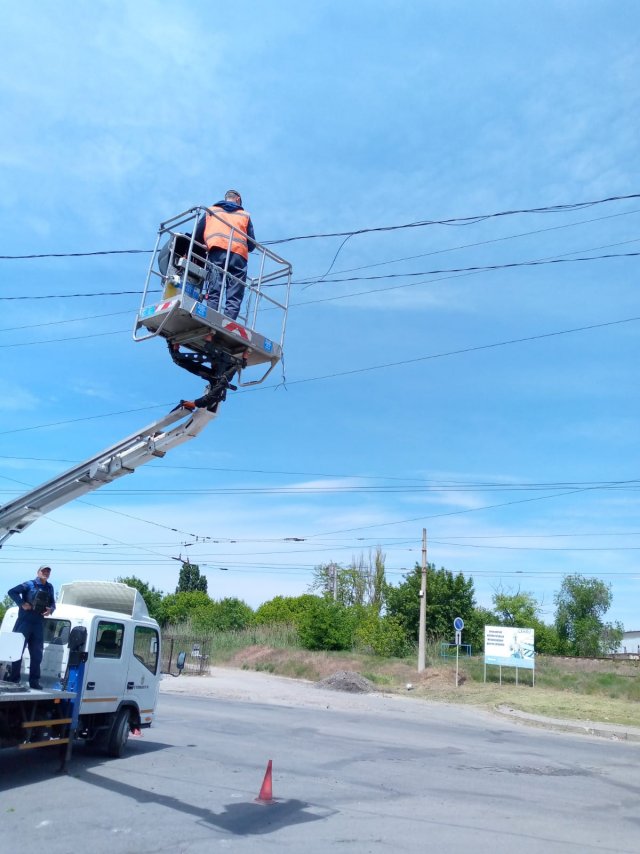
(481, 268)
(486, 268)
(461, 351)
(466, 220)
(466, 510)
(539, 548)
(320, 546)
(116, 493)
(75, 254)
(440, 485)
(74, 296)
(61, 322)
(62, 340)
(492, 240)
(451, 221)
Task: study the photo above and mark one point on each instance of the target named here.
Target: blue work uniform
(31, 625)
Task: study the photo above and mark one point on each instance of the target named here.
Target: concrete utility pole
(423, 605)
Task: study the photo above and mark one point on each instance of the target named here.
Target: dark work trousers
(32, 627)
(234, 289)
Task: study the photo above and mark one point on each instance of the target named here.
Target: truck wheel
(119, 734)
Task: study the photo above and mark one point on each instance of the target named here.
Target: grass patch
(266, 667)
(377, 678)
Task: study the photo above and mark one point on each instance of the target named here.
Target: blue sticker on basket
(200, 309)
(268, 345)
(147, 312)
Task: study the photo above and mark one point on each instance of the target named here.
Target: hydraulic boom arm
(181, 424)
(201, 339)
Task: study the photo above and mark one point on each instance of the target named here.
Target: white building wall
(630, 643)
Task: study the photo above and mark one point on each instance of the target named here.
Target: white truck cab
(119, 690)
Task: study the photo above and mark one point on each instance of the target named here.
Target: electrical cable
(461, 351)
(117, 493)
(488, 268)
(440, 485)
(62, 340)
(75, 254)
(468, 220)
(458, 221)
(432, 356)
(491, 240)
(61, 322)
(449, 513)
(540, 548)
(483, 268)
(72, 296)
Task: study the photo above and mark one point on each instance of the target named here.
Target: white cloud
(16, 398)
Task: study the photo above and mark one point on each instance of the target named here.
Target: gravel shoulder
(265, 688)
(252, 686)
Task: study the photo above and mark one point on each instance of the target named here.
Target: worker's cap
(233, 194)
(44, 568)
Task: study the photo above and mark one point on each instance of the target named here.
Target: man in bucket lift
(217, 233)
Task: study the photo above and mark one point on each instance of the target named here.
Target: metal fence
(197, 657)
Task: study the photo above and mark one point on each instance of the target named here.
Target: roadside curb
(614, 732)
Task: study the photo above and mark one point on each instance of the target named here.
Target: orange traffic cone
(265, 796)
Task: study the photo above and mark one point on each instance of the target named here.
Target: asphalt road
(389, 776)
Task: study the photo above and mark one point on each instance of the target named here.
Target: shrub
(384, 636)
(284, 609)
(325, 624)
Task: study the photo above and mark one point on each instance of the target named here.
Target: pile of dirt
(347, 680)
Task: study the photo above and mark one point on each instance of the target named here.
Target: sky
(495, 408)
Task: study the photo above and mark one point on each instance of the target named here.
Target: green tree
(384, 636)
(326, 624)
(203, 613)
(194, 605)
(361, 583)
(190, 579)
(231, 614)
(448, 596)
(581, 604)
(547, 641)
(516, 609)
(379, 584)
(284, 609)
(474, 627)
(522, 609)
(151, 596)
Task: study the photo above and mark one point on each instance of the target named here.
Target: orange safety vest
(217, 232)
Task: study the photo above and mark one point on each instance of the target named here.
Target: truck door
(56, 635)
(106, 672)
(143, 679)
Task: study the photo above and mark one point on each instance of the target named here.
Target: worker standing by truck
(36, 600)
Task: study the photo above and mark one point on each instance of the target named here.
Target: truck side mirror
(180, 661)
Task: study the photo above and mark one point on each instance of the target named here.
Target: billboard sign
(509, 646)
